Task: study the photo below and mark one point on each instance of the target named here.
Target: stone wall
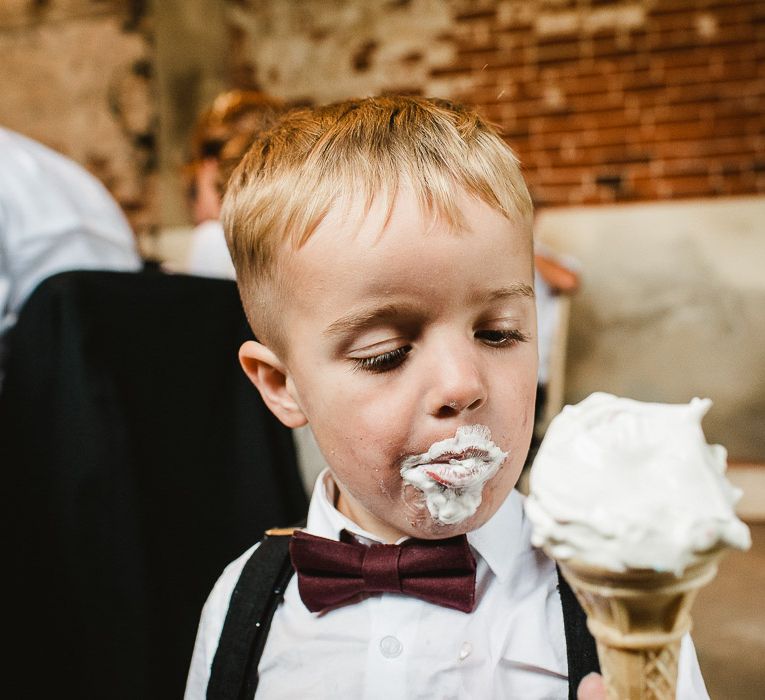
(324, 50)
(76, 75)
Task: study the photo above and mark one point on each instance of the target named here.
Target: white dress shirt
(391, 646)
(54, 216)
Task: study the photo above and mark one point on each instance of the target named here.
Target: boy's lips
(451, 473)
(455, 475)
(457, 469)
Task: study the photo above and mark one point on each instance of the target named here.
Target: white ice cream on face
(451, 474)
(624, 484)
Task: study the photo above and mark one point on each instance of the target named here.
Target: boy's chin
(446, 519)
(424, 526)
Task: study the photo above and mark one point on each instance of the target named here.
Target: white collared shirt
(392, 646)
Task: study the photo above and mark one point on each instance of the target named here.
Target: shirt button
(390, 647)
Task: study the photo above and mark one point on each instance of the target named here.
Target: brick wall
(617, 101)
(604, 101)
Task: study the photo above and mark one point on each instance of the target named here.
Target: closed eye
(501, 338)
(384, 362)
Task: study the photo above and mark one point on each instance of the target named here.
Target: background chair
(138, 462)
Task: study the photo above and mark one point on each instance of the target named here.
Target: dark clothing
(138, 462)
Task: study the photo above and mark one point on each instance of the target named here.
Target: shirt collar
(499, 541)
(325, 520)
(503, 538)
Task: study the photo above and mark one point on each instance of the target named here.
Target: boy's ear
(269, 374)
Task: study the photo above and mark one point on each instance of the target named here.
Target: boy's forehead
(368, 218)
(394, 248)
(390, 243)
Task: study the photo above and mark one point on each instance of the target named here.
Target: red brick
(740, 70)
(591, 137)
(669, 114)
(610, 45)
(555, 53)
(727, 35)
(473, 15)
(693, 6)
(711, 90)
(605, 102)
(557, 176)
(691, 186)
(487, 52)
(456, 68)
(605, 118)
(703, 129)
(669, 21)
(546, 195)
(740, 13)
(711, 148)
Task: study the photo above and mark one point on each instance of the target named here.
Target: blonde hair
(313, 158)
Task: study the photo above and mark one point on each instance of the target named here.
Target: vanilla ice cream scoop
(621, 484)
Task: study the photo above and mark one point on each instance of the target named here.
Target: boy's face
(396, 336)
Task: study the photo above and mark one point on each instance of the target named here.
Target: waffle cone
(638, 618)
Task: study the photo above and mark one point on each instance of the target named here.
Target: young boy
(384, 257)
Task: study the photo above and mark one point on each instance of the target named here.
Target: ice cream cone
(638, 618)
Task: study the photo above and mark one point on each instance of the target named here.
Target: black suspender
(258, 592)
(260, 589)
(581, 652)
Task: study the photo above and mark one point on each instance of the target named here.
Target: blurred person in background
(223, 133)
(54, 216)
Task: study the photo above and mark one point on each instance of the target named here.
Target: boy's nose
(459, 387)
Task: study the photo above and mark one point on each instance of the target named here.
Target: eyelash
(505, 339)
(387, 361)
(384, 362)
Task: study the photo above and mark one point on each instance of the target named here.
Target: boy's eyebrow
(357, 320)
(517, 289)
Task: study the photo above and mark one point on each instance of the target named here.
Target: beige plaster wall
(672, 306)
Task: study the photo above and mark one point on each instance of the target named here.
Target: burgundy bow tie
(330, 572)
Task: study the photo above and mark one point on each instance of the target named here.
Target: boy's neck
(359, 516)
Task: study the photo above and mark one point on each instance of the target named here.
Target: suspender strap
(580, 646)
(260, 589)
